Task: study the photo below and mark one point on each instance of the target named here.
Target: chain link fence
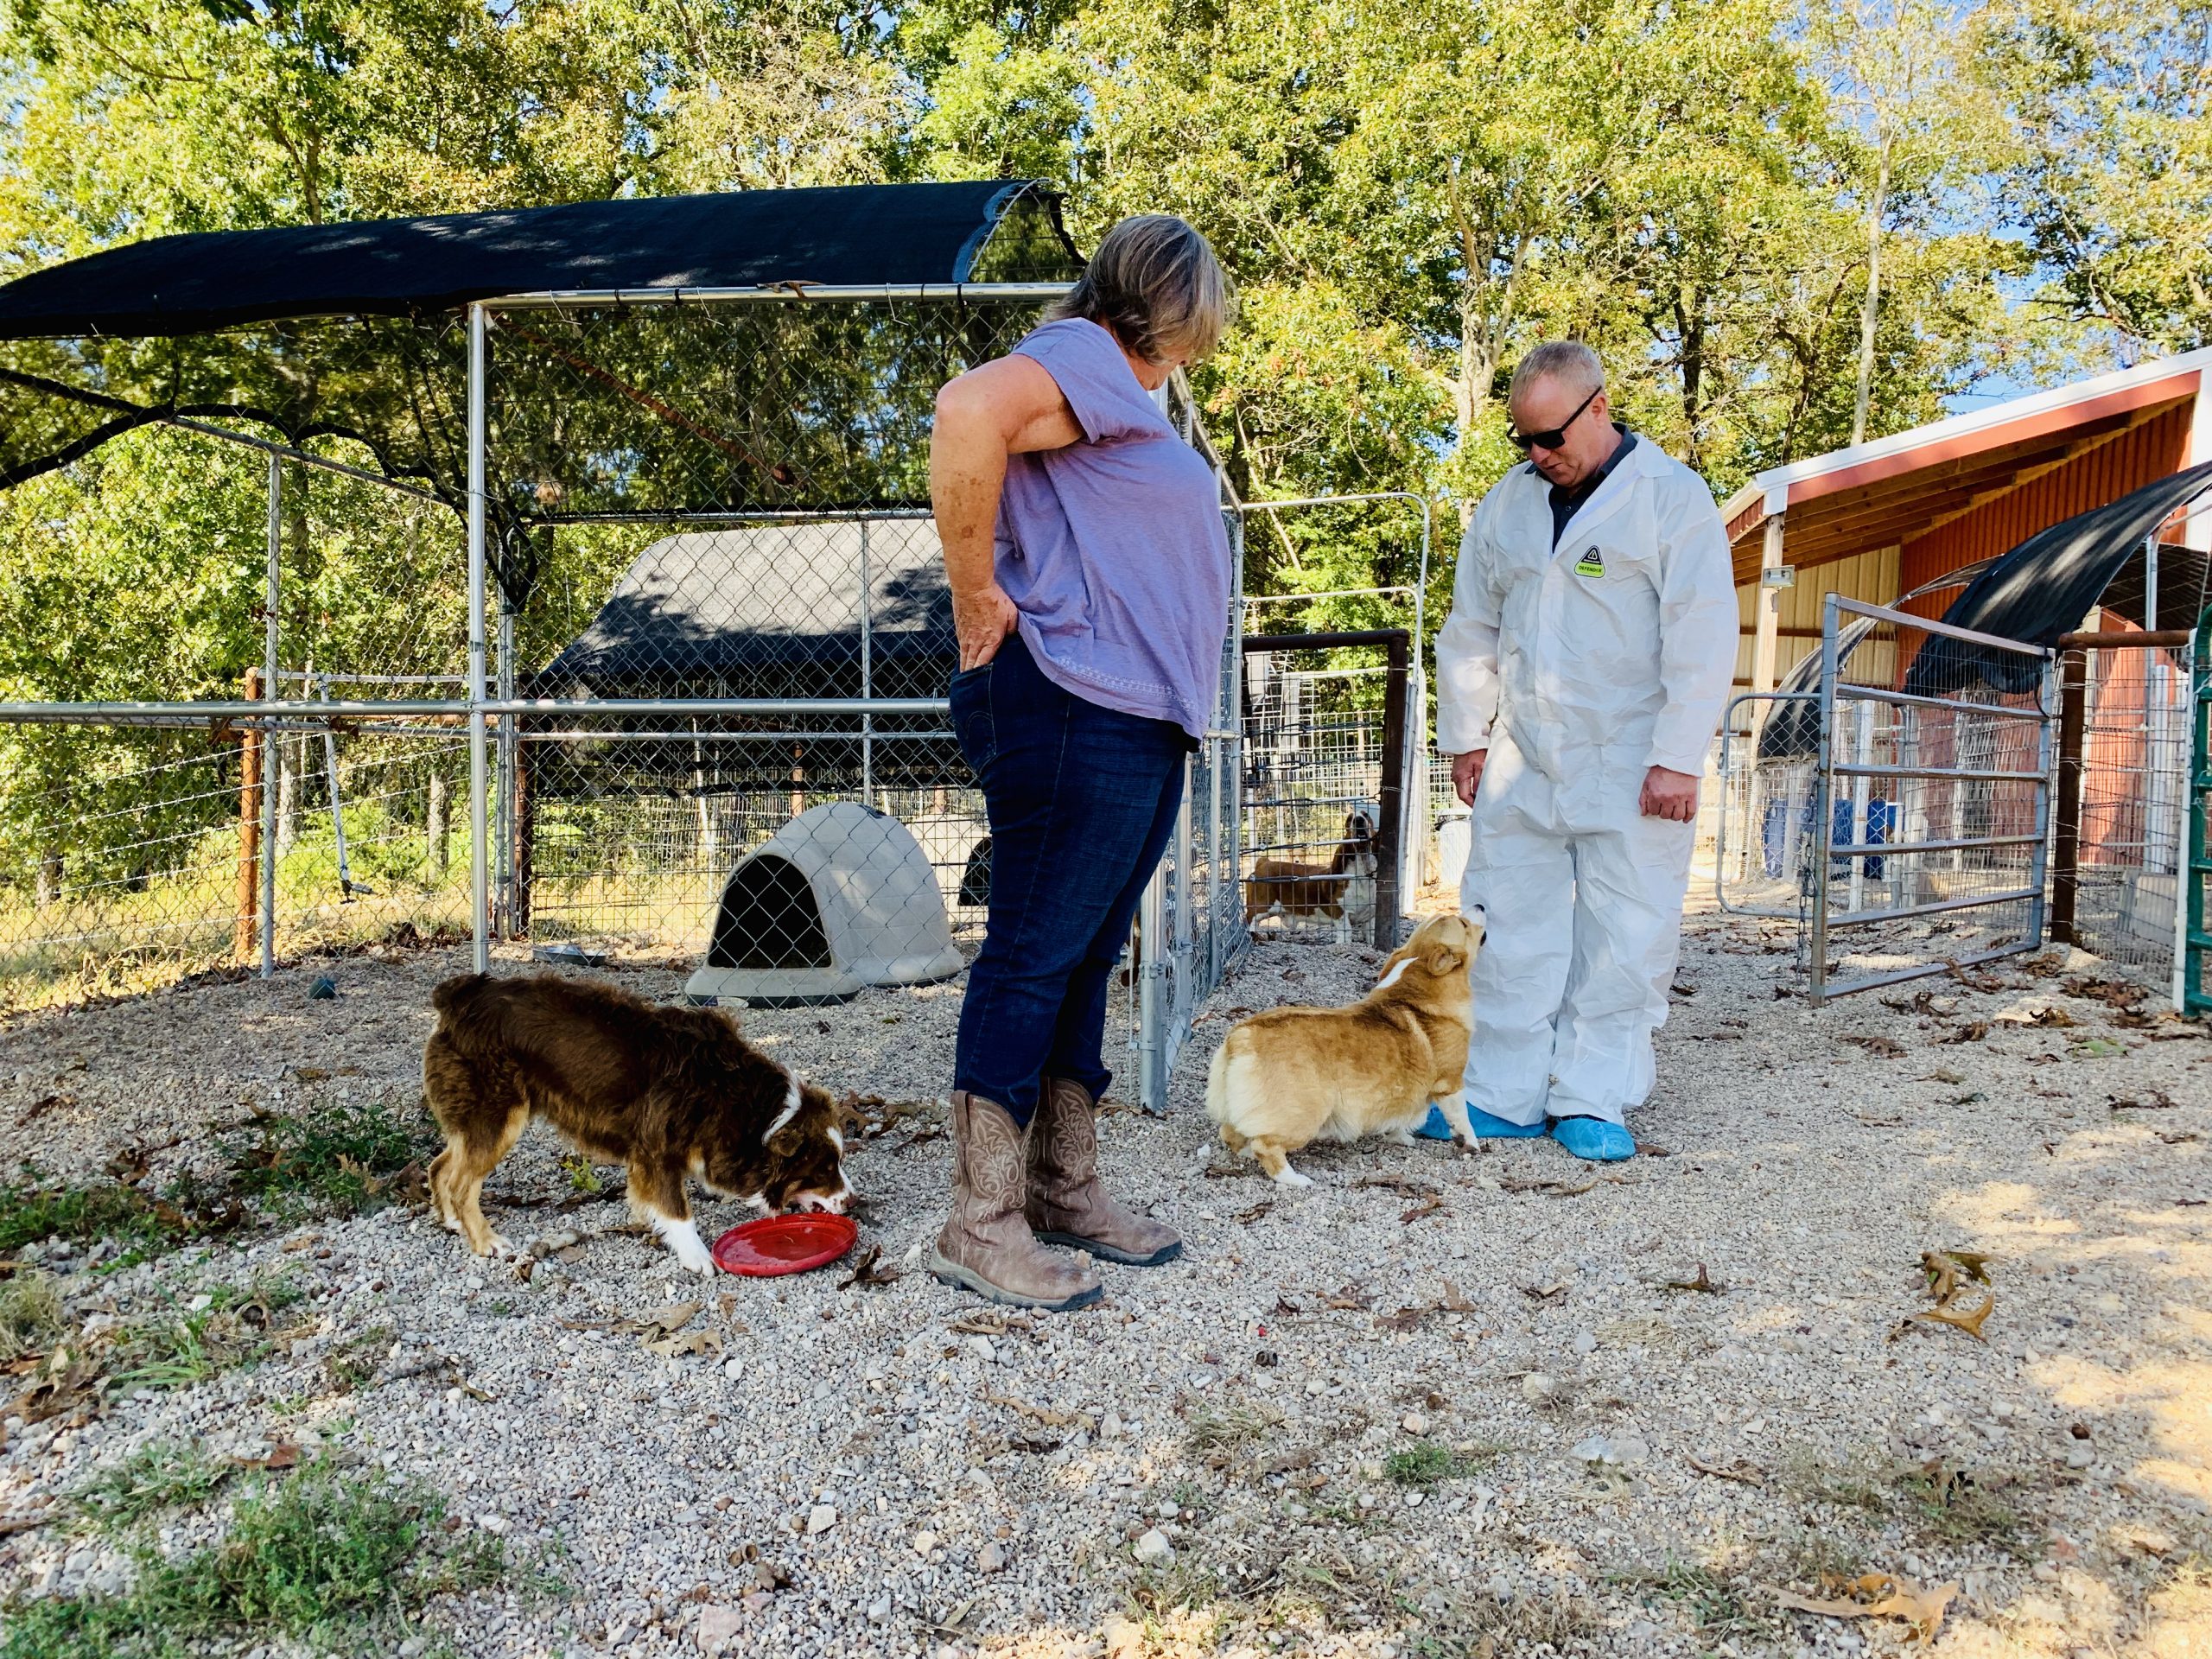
(1906, 831)
(715, 641)
(2122, 823)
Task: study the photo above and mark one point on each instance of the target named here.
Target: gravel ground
(1439, 1402)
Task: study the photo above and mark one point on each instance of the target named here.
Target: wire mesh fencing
(2121, 837)
(1326, 755)
(1898, 809)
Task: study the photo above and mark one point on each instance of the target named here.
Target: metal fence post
(1152, 973)
(274, 690)
(505, 819)
(2039, 850)
(1816, 970)
(479, 851)
(1390, 880)
(2066, 833)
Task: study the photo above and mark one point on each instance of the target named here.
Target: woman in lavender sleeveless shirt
(1090, 574)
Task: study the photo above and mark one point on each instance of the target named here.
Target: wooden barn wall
(2150, 451)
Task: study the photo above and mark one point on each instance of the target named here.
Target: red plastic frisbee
(775, 1244)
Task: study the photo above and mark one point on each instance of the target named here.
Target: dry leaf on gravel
(1975, 981)
(2151, 1100)
(1246, 1217)
(2097, 1048)
(1973, 1032)
(868, 1272)
(1427, 1205)
(1347, 1298)
(684, 1342)
(1945, 1313)
(2118, 993)
(1405, 1185)
(11, 1524)
(2056, 1019)
(1541, 1293)
(1877, 1595)
(666, 1320)
(1741, 1469)
(1556, 1189)
(1887, 1048)
(1703, 1282)
(986, 1322)
(281, 1455)
(1046, 1414)
(1944, 1074)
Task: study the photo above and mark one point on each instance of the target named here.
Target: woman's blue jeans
(1081, 800)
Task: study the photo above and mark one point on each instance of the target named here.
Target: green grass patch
(1943, 1505)
(36, 1208)
(31, 1317)
(347, 1160)
(163, 1475)
(343, 1563)
(1954, 1507)
(1718, 1608)
(181, 1346)
(1425, 1463)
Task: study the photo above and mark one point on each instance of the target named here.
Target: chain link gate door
(1930, 813)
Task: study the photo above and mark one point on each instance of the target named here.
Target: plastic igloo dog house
(841, 898)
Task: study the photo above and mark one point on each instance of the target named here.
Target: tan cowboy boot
(987, 1245)
(1066, 1203)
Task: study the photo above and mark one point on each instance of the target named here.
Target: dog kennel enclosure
(590, 550)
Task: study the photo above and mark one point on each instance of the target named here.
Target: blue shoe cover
(1485, 1126)
(1593, 1139)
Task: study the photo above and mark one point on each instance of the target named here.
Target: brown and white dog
(673, 1092)
(1283, 1079)
(1341, 891)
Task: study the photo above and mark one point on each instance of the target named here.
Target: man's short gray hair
(1155, 282)
(1571, 363)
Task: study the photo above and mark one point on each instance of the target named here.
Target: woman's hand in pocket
(983, 620)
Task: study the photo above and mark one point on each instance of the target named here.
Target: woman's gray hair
(1155, 282)
(1574, 364)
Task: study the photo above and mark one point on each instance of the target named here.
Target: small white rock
(1586, 1342)
(991, 1558)
(1110, 1425)
(820, 1519)
(981, 1347)
(924, 1541)
(1168, 1509)
(1414, 1423)
(1592, 1450)
(1153, 1549)
(1539, 1388)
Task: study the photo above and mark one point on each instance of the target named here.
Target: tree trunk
(434, 830)
(290, 750)
(49, 878)
(1871, 313)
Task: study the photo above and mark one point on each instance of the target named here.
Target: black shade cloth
(595, 411)
(727, 612)
(1793, 730)
(2044, 587)
(848, 234)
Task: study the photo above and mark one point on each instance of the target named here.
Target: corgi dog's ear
(1444, 959)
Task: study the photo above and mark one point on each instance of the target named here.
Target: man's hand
(982, 620)
(1467, 774)
(1670, 795)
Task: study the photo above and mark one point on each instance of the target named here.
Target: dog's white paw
(703, 1265)
(496, 1246)
(684, 1241)
(1291, 1177)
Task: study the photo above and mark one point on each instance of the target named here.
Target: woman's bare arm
(1009, 406)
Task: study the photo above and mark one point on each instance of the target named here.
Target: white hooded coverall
(1579, 669)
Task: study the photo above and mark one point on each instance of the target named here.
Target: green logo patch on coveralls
(1590, 564)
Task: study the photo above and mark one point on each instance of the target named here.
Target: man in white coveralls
(1579, 677)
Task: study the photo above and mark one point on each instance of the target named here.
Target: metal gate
(2196, 940)
(1931, 814)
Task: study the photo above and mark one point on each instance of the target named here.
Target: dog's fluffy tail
(1218, 1082)
(450, 993)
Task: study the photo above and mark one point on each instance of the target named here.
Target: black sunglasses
(1551, 437)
